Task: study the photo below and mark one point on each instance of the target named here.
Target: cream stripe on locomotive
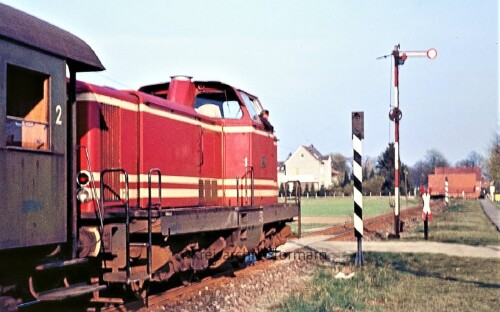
(133, 178)
(89, 96)
(256, 192)
(190, 192)
(193, 193)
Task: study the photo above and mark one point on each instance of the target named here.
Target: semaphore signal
(395, 114)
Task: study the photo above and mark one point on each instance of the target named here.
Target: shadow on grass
(403, 266)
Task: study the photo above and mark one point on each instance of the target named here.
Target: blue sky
(311, 63)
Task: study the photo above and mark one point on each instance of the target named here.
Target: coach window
(27, 109)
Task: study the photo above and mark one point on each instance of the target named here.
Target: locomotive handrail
(252, 189)
(237, 190)
(252, 185)
(127, 216)
(100, 209)
(150, 205)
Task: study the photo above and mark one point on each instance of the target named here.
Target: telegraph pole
(395, 114)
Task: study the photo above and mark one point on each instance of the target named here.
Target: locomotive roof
(28, 30)
(161, 89)
(163, 86)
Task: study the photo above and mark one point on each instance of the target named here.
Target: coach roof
(28, 30)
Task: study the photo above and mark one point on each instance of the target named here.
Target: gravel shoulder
(261, 291)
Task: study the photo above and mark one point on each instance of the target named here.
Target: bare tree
(493, 161)
(473, 159)
(435, 158)
(340, 164)
(422, 168)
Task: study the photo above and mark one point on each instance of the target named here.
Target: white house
(308, 166)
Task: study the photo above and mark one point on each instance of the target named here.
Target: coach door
(32, 148)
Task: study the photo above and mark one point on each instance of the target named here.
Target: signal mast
(395, 114)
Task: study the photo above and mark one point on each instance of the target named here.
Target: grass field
(332, 208)
(403, 282)
(463, 222)
(344, 206)
(414, 282)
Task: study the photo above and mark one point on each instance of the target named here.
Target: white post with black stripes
(357, 136)
(446, 198)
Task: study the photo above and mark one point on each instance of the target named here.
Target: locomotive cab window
(27, 109)
(218, 104)
(253, 106)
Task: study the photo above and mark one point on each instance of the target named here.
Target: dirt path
(321, 244)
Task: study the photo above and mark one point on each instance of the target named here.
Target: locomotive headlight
(83, 178)
(83, 195)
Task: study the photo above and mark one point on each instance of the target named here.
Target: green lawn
(344, 206)
(464, 222)
(403, 282)
(413, 282)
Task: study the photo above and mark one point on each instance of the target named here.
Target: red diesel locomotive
(123, 188)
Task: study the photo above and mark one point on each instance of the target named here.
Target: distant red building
(461, 181)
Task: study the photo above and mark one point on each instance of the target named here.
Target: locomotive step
(74, 291)
(121, 277)
(107, 300)
(60, 264)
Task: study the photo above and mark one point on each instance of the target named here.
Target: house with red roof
(462, 181)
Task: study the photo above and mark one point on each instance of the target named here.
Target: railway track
(178, 294)
(210, 280)
(373, 226)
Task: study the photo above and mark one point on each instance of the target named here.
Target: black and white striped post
(357, 136)
(446, 198)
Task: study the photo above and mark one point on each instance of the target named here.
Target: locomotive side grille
(207, 189)
(110, 150)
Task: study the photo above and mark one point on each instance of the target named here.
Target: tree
(339, 163)
(347, 179)
(322, 191)
(435, 158)
(368, 168)
(306, 190)
(313, 189)
(493, 161)
(473, 159)
(373, 185)
(385, 167)
(420, 171)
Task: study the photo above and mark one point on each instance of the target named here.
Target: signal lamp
(82, 178)
(83, 195)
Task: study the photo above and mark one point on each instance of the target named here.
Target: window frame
(253, 106)
(45, 103)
